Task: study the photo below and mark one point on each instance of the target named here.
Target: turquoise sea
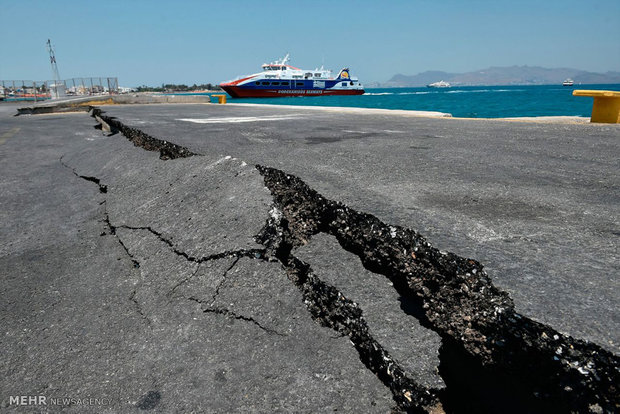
(465, 101)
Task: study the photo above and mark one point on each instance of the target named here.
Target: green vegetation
(169, 87)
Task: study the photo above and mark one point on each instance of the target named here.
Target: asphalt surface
(133, 280)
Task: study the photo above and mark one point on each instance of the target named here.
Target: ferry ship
(279, 79)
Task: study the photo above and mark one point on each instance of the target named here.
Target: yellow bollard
(221, 99)
(606, 107)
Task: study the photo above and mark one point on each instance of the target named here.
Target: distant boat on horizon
(278, 79)
(568, 82)
(440, 84)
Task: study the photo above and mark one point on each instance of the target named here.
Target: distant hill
(509, 75)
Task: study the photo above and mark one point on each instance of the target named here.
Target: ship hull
(241, 92)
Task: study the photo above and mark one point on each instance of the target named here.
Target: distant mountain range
(509, 75)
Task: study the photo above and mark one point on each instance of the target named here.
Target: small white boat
(568, 82)
(440, 84)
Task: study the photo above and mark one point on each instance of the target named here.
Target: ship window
(300, 84)
(257, 82)
(285, 83)
(352, 83)
(317, 75)
(344, 84)
(265, 83)
(275, 83)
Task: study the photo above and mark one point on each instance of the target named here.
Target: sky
(155, 42)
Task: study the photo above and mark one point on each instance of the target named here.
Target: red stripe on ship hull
(237, 92)
(238, 81)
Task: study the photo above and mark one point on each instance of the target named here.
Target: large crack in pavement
(492, 359)
(167, 150)
(329, 307)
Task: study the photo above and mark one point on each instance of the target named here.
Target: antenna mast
(55, 74)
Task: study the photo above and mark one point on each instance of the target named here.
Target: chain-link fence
(27, 90)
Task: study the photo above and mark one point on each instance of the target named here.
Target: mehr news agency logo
(42, 400)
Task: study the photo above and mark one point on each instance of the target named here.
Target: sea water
(462, 101)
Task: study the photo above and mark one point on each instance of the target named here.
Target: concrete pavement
(135, 280)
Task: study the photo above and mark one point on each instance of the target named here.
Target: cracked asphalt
(149, 294)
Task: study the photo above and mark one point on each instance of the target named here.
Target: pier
(224, 258)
